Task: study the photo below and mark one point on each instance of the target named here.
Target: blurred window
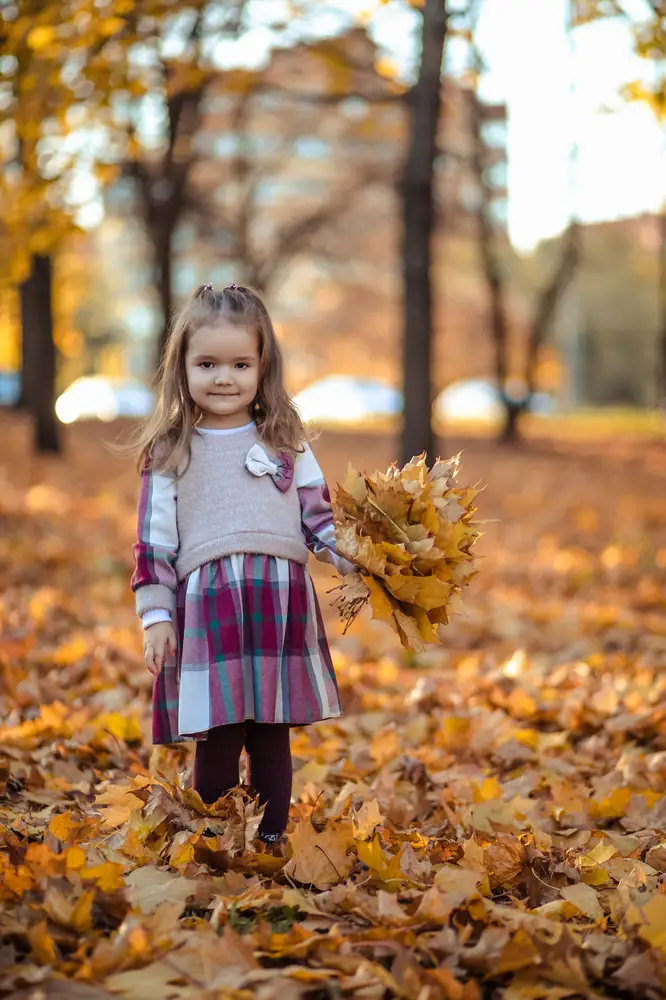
(225, 144)
(263, 142)
(494, 134)
(217, 103)
(185, 278)
(120, 194)
(268, 191)
(311, 147)
(184, 237)
(270, 102)
(470, 196)
(499, 209)
(498, 174)
(354, 108)
(204, 142)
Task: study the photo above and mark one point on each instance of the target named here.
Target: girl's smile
(222, 365)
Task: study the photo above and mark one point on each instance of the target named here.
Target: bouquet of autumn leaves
(411, 531)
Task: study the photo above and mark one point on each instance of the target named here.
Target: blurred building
(643, 230)
(608, 325)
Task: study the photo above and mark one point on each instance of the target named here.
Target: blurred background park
(490, 239)
(455, 210)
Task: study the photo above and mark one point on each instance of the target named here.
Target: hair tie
(233, 286)
(208, 287)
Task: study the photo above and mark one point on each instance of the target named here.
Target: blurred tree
(161, 116)
(284, 166)
(38, 368)
(169, 138)
(418, 212)
(52, 88)
(493, 251)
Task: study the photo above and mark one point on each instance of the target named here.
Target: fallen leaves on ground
(487, 819)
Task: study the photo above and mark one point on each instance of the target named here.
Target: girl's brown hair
(165, 438)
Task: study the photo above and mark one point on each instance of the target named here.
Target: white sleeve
(155, 615)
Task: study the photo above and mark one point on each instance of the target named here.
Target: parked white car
(344, 399)
(478, 401)
(96, 397)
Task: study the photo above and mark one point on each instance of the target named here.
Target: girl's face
(222, 365)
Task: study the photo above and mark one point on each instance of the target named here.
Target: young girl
(232, 499)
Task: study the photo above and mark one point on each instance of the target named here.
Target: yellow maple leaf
(107, 876)
(653, 921)
(65, 827)
(117, 804)
(42, 944)
(383, 867)
(75, 857)
(81, 918)
(182, 850)
(612, 806)
(585, 898)
(320, 859)
(381, 605)
(602, 852)
(408, 631)
(123, 727)
(366, 819)
(425, 626)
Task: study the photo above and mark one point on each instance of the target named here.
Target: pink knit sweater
(225, 503)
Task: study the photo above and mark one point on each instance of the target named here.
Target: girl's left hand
(159, 640)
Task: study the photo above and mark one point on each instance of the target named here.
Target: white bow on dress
(280, 471)
(258, 462)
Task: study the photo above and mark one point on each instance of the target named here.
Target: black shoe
(270, 838)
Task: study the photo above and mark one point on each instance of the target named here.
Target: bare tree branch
(490, 260)
(294, 236)
(336, 97)
(549, 298)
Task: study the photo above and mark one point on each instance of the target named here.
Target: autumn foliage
(410, 531)
(487, 819)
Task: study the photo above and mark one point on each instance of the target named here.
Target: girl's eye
(205, 363)
(242, 364)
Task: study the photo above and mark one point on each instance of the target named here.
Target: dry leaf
(585, 898)
(320, 859)
(411, 530)
(497, 806)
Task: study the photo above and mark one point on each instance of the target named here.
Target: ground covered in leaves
(486, 820)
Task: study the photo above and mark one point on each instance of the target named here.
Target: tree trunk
(513, 411)
(164, 287)
(418, 216)
(38, 364)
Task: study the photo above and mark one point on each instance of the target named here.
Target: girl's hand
(159, 640)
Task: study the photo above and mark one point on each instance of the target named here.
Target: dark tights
(269, 767)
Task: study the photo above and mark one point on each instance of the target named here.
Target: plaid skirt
(251, 645)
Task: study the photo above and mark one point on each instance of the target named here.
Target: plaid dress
(251, 641)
